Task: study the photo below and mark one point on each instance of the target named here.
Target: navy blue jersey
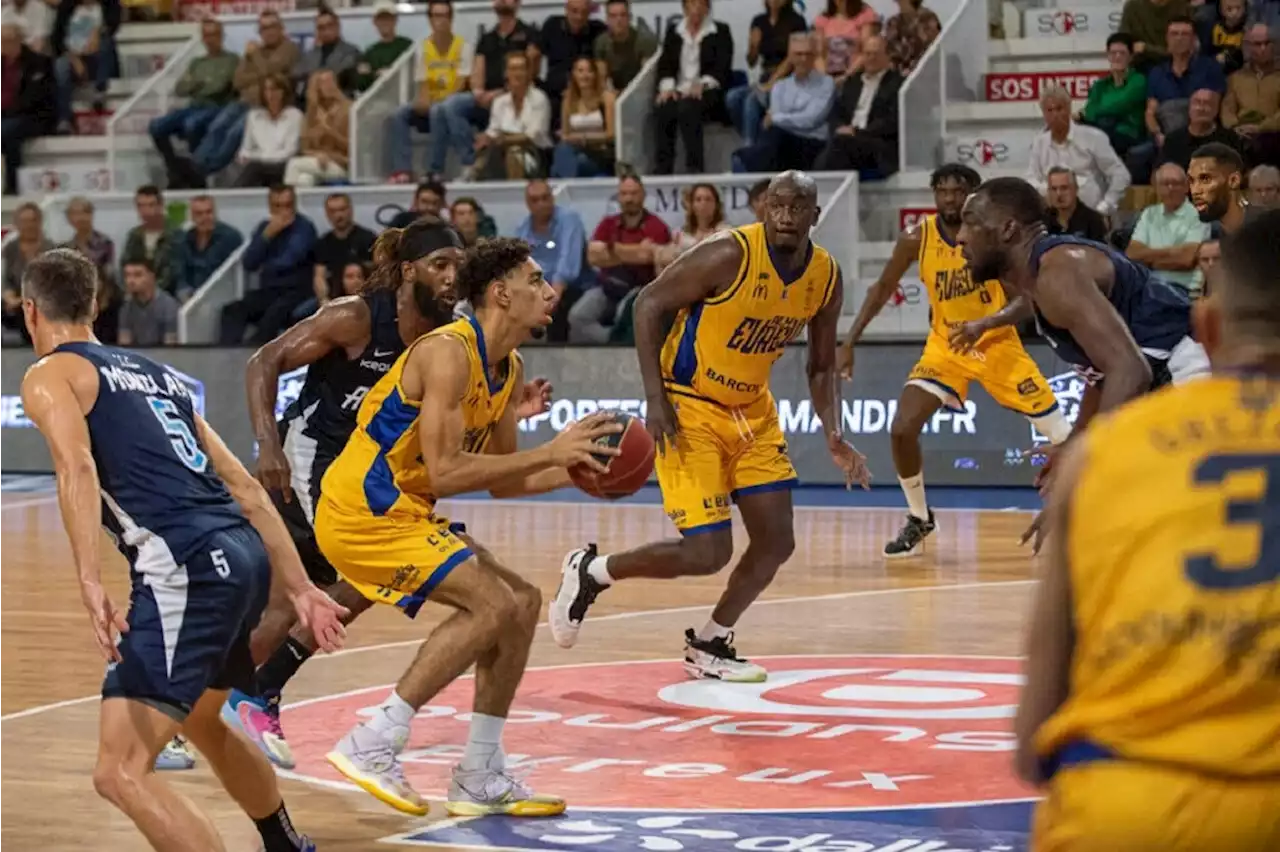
(161, 497)
(1158, 315)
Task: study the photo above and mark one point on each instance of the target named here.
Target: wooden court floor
(600, 724)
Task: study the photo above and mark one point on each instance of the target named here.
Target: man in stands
(1147, 21)
(564, 38)
(28, 100)
(153, 238)
(558, 242)
(1171, 84)
(346, 242)
(330, 53)
(864, 117)
(149, 317)
(795, 127)
(1264, 186)
(1252, 105)
(1202, 129)
(429, 198)
(1085, 150)
(623, 49)
(202, 248)
(1067, 214)
(383, 53)
(1169, 234)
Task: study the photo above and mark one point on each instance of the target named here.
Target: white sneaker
(716, 659)
(370, 761)
(578, 590)
(480, 792)
(176, 755)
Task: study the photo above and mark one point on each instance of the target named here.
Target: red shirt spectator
(622, 246)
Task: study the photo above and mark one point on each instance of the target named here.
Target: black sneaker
(911, 540)
(578, 590)
(717, 659)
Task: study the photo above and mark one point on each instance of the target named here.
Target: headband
(420, 242)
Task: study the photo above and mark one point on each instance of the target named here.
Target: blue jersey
(161, 498)
(1158, 315)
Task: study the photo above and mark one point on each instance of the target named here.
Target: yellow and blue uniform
(1169, 738)
(716, 363)
(998, 362)
(376, 521)
(440, 70)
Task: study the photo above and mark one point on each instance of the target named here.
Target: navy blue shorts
(189, 624)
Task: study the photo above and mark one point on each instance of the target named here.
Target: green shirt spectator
(379, 56)
(622, 50)
(1119, 103)
(209, 80)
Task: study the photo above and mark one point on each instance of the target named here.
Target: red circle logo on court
(825, 732)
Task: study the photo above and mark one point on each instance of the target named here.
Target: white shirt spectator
(691, 60)
(870, 85)
(271, 140)
(35, 18)
(533, 119)
(1087, 152)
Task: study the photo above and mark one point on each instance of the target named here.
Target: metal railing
(154, 98)
(949, 72)
(370, 115)
(633, 119)
(200, 319)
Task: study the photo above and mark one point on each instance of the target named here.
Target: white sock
(484, 742)
(599, 571)
(711, 630)
(913, 487)
(1053, 425)
(393, 713)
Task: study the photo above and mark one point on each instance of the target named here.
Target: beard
(1215, 210)
(987, 269)
(951, 220)
(433, 309)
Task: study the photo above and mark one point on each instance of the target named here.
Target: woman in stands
(841, 30)
(586, 146)
(271, 135)
(326, 134)
(704, 216)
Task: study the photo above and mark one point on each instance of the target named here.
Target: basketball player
(349, 344)
(738, 299)
(1215, 173)
(1127, 334)
(1151, 711)
(124, 438)
(442, 422)
(957, 351)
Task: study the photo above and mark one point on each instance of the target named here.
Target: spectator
(564, 39)
(624, 248)
(1168, 235)
(1147, 23)
(465, 111)
(280, 251)
(106, 325)
(769, 43)
(796, 125)
(29, 223)
(586, 146)
(693, 74)
(209, 85)
(29, 94)
(1067, 214)
(623, 49)
(326, 140)
(202, 248)
(1202, 130)
(1264, 187)
(34, 18)
(83, 58)
(703, 217)
(756, 198)
(153, 239)
(1171, 83)
(464, 215)
(840, 37)
(383, 53)
(447, 59)
(558, 241)
(1117, 103)
(354, 276)
(345, 243)
(91, 243)
(1221, 34)
(519, 127)
(1265, 12)
(864, 118)
(428, 199)
(909, 33)
(330, 53)
(149, 316)
(1252, 105)
(1082, 149)
(1207, 261)
(272, 133)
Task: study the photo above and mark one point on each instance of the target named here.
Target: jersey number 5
(1264, 514)
(175, 426)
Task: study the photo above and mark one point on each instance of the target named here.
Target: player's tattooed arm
(1050, 633)
(503, 442)
(905, 252)
(340, 324)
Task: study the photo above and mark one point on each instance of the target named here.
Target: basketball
(628, 472)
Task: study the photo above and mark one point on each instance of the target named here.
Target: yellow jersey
(953, 297)
(441, 69)
(380, 471)
(1173, 542)
(723, 348)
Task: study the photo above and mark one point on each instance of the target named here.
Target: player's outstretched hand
(1035, 533)
(273, 471)
(322, 615)
(105, 619)
(966, 335)
(850, 461)
(577, 444)
(534, 399)
(660, 420)
(844, 362)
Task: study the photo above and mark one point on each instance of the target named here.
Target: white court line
(619, 616)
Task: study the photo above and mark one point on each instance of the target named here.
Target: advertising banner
(1029, 86)
(1071, 22)
(1007, 148)
(985, 445)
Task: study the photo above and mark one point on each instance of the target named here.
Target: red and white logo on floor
(824, 733)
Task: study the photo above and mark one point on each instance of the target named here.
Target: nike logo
(383, 353)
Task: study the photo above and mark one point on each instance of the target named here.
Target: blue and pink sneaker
(258, 718)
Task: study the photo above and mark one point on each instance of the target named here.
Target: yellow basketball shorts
(1136, 807)
(721, 454)
(391, 560)
(1004, 368)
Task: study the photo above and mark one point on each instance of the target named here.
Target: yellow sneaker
(369, 761)
(481, 792)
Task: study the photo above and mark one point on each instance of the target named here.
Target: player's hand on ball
(577, 444)
(535, 399)
(966, 335)
(273, 471)
(105, 619)
(849, 460)
(322, 615)
(660, 420)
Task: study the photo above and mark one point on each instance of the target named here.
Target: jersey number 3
(1263, 514)
(175, 426)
